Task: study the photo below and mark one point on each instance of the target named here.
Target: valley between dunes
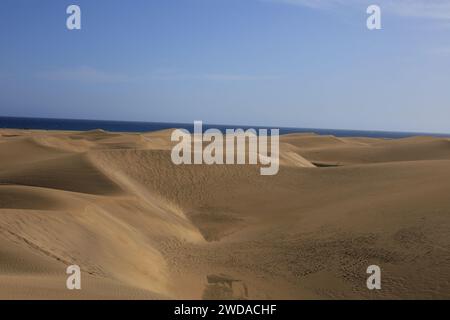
(141, 227)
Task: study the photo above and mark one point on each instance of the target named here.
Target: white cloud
(84, 74)
(234, 77)
(431, 9)
(440, 51)
(319, 4)
(92, 75)
(174, 75)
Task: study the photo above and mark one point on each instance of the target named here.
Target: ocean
(135, 126)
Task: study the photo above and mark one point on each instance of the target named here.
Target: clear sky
(301, 63)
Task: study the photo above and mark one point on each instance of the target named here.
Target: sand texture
(141, 227)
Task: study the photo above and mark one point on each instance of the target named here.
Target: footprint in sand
(224, 287)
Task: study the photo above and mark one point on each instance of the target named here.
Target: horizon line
(230, 125)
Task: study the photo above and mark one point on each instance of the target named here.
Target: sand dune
(344, 151)
(141, 227)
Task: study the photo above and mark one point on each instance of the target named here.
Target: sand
(142, 228)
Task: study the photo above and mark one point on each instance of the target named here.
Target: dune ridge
(141, 227)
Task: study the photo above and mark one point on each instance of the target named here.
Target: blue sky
(301, 63)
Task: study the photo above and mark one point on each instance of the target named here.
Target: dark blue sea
(131, 126)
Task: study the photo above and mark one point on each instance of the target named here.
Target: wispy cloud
(93, 75)
(175, 75)
(318, 4)
(236, 77)
(431, 9)
(440, 51)
(84, 74)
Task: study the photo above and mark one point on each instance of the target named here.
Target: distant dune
(142, 228)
